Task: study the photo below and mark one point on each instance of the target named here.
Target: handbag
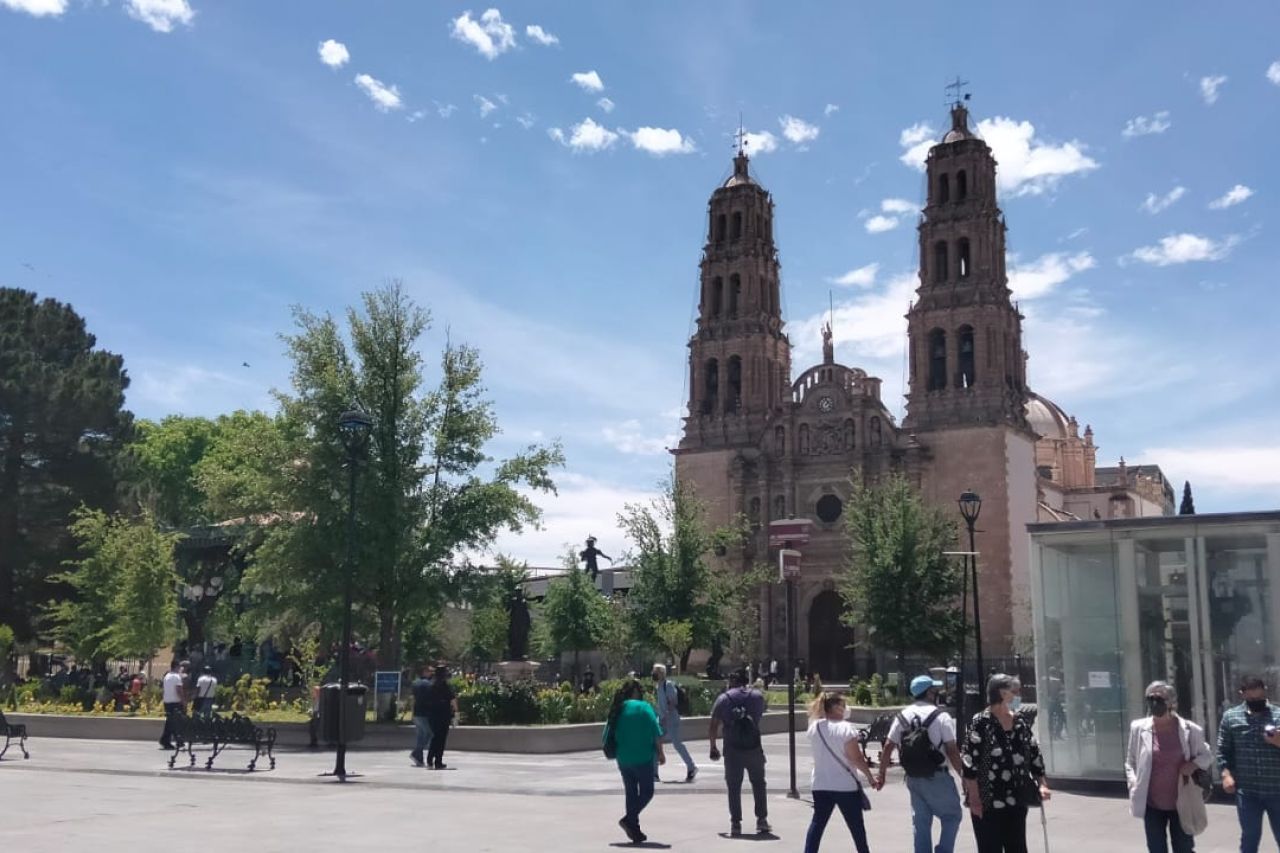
(1191, 811)
(1027, 788)
(866, 801)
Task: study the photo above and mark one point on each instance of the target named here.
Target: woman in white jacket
(1163, 750)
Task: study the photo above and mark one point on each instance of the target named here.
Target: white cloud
(898, 206)
(1041, 276)
(588, 81)
(384, 97)
(1229, 467)
(606, 104)
(630, 438)
(760, 143)
(1209, 87)
(39, 8)
(661, 141)
(1028, 165)
(1156, 203)
(526, 120)
(445, 110)
(1232, 197)
(798, 130)
(872, 322)
(1145, 126)
(415, 116)
(879, 224)
(485, 105)
(541, 36)
(829, 109)
(585, 136)
(334, 53)
(1273, 72)
(1183, 248)
(861, 277)
(161, 15)
(490, 34)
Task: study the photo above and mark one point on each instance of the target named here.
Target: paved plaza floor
(108, 796)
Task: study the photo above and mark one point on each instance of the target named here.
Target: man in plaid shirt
(1249, 758)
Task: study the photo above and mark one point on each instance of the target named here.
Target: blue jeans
(1249, 809)
(671, 734)
(935, 796)
(637, 785)
(850, 805)
(423, 726)
(1162, 827)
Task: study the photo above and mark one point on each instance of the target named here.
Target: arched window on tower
(735, 294)
(874, 428)
(733, 394)
(779, 507)
(944, 188)
(736, 231)
(803, 448)
(850, 434)
(780, 440)
(940, 261)
(967, 357)
(710, 386)
(962, 255)
(962, 185)
(755, 514)
(717, 295)
(721, 224)
(937, 360)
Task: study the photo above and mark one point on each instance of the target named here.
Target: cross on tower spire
(957, 87)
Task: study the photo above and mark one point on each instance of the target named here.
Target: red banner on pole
(789, 532)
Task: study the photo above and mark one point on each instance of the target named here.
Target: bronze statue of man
(589, 557)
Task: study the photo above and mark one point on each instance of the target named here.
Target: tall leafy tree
(573, 614)
(1188, 503)
(674, 579)
(898, 582)
(162, 463)
(62, 426)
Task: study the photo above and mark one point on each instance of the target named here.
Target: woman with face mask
(1163, 749)
(1003, 771)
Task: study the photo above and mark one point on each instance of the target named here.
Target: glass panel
(1086, 725)
(1164, 620)
(1241, 638)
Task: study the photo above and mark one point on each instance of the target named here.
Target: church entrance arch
(831, 655)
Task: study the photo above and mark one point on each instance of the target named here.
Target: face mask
(1157, 705)
(1256, 706)
(1015, 703)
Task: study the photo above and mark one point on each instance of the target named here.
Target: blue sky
(182, 171)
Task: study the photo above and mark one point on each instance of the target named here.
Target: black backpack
(683, 706)
(742, 732)
(919, 758)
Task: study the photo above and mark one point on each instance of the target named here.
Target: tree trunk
(902, 675)
(684, 660)
(387, 653)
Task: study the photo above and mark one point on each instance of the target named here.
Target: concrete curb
(535, 740)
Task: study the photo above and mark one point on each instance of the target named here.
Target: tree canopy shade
(62, 424)
(898, 583)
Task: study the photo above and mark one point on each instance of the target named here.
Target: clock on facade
(826, 404)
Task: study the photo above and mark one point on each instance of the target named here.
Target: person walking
(925, 736)
(1249, 758)
(442, 705)
(1164, 750)
(421, 721)
(206, 692)
(738, 710)
(1003, 772)
(173, 693)
(840, 772)
(634, 737)
(666, 699)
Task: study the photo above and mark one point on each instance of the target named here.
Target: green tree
(125, 589)
(489, 632)
(617, 636)
(62, 427)
(7, 642)
(898, 582)
(573, 614)
(161, 468)
(673, 576)
(675, 637)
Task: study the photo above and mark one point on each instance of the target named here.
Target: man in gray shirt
(739, 710)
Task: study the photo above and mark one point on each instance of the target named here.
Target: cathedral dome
(1047, 418)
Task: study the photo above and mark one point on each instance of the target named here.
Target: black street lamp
(354, 427)
(970, 507)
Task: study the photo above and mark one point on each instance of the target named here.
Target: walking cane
(1044, 826)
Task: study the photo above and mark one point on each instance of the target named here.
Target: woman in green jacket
(636, 738)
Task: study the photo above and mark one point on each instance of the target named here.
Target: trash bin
(329, 697)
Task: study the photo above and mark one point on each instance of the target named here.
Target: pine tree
(1188, 504)
(62, 427)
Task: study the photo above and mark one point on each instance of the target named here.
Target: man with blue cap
(925, 736)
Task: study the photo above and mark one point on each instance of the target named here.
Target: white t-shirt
(830, 773)
(205, 686)
(941, 731)
(172, 686)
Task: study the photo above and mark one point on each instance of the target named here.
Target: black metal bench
(877, 732)
(218, 733)
(12, 732)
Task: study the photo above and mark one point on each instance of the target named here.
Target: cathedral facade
(760, 443)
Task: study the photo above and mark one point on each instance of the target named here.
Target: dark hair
(995, 684)
(1252, 682)
(738, 678)
(631, 688)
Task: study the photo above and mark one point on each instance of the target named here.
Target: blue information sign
(386, 682)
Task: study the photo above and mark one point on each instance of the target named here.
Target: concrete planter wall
(519, 739)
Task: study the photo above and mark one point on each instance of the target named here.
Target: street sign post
(788, 564)
(786, 534)
(789, 532)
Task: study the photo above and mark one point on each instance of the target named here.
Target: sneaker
(417, 759)
(762, 827)
(693, 771)
(632, 831)
(735, 829)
